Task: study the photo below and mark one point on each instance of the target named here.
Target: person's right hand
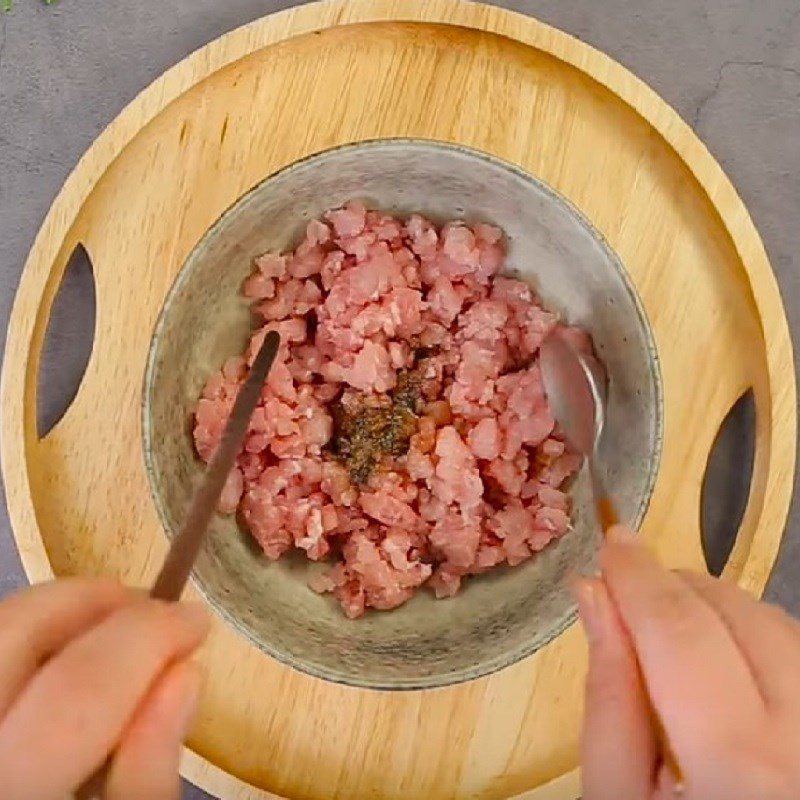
(722, 671)
(90, 669)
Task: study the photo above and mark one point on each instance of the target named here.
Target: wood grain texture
(349, 70)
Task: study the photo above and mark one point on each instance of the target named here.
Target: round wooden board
(301, 81)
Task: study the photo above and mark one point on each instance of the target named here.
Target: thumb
(619, 749)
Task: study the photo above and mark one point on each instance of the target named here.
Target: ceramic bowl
(498, 618)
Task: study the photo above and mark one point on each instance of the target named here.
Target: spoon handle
(608, 517)
(604, 505)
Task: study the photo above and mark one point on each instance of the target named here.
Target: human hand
(89, 669)
(721, 670)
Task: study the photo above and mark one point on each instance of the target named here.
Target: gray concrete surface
(730, 67)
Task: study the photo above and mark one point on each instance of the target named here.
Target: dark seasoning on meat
(368, 431)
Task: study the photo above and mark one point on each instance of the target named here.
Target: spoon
(576, 387)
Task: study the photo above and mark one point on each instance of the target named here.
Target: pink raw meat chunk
(407, 333)
(485, 439)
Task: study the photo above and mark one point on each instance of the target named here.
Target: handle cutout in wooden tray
(726, 484)
(68, 341)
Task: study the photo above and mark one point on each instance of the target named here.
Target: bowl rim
(488, 666)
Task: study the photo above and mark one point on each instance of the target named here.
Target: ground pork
(403, 434)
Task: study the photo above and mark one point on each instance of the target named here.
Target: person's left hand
(88, 670)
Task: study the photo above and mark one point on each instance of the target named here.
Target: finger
(666, 786)
(768, 637)
(617, 718)
(72, 713)
(145, 766)
(39, 621)
(691, 664)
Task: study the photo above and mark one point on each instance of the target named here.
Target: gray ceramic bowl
(498, 618)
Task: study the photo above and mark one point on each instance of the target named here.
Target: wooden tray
(302, 81)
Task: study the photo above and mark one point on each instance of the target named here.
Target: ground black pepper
(378, 427)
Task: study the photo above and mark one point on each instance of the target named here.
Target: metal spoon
(575, 385)
(576, 389)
